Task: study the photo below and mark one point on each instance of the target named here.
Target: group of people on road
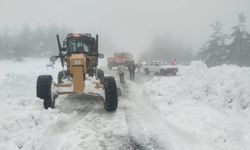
(131, 68)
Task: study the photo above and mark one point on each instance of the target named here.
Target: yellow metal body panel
(78, 81)
(77, 68)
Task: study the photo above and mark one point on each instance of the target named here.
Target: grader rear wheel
(111, 97)
(100, 75)
(60, 76)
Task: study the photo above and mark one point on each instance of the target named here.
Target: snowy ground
(198, 109)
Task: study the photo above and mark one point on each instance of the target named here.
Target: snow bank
(223, 86)
(209, 106)
(74, 124)
(200, 108)
(21, 112)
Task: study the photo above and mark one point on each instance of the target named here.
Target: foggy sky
(128, 24)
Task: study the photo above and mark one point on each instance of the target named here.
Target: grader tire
(111, 97)
(91, 72)
(60, 76)
(100, 75)
(43, 86)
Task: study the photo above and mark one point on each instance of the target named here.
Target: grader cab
(79, 54)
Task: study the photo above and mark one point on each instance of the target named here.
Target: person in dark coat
(131, 69)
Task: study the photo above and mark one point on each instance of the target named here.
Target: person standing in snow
(131, 69)
(121, 72)
(174, 62)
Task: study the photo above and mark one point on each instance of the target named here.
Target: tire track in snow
(92, 118)
(137, 139)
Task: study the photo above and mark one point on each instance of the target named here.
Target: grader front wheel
(111, 97)
(44, 90)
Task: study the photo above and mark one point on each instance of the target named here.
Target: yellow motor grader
(81, 76)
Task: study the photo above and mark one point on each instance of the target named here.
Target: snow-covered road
(199, 109)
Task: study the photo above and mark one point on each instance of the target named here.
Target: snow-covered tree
(25, 44)
(212, 52)
(39, 39)
(239, 49)
(30, 42)
(1, 46)
(6, 43)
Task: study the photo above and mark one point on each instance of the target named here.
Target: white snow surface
(201, 108)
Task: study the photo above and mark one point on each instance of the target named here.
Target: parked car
(160, 67)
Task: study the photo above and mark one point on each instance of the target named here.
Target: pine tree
(240, 46)
(25, 43)
(39, 39)
(37, 42)
(212, 53)
(7, 43)
(1, 46)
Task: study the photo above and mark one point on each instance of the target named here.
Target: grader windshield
(75, 46)
(80, 43)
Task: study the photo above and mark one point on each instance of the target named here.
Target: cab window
(77, 47)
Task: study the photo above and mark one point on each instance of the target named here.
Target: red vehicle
(123, 58)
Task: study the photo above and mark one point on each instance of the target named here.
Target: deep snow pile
(203, 108)
(200, 108)
(74, 124)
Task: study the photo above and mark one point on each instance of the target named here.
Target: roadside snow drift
(76, 123)
(200, 108)
(203, 108)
